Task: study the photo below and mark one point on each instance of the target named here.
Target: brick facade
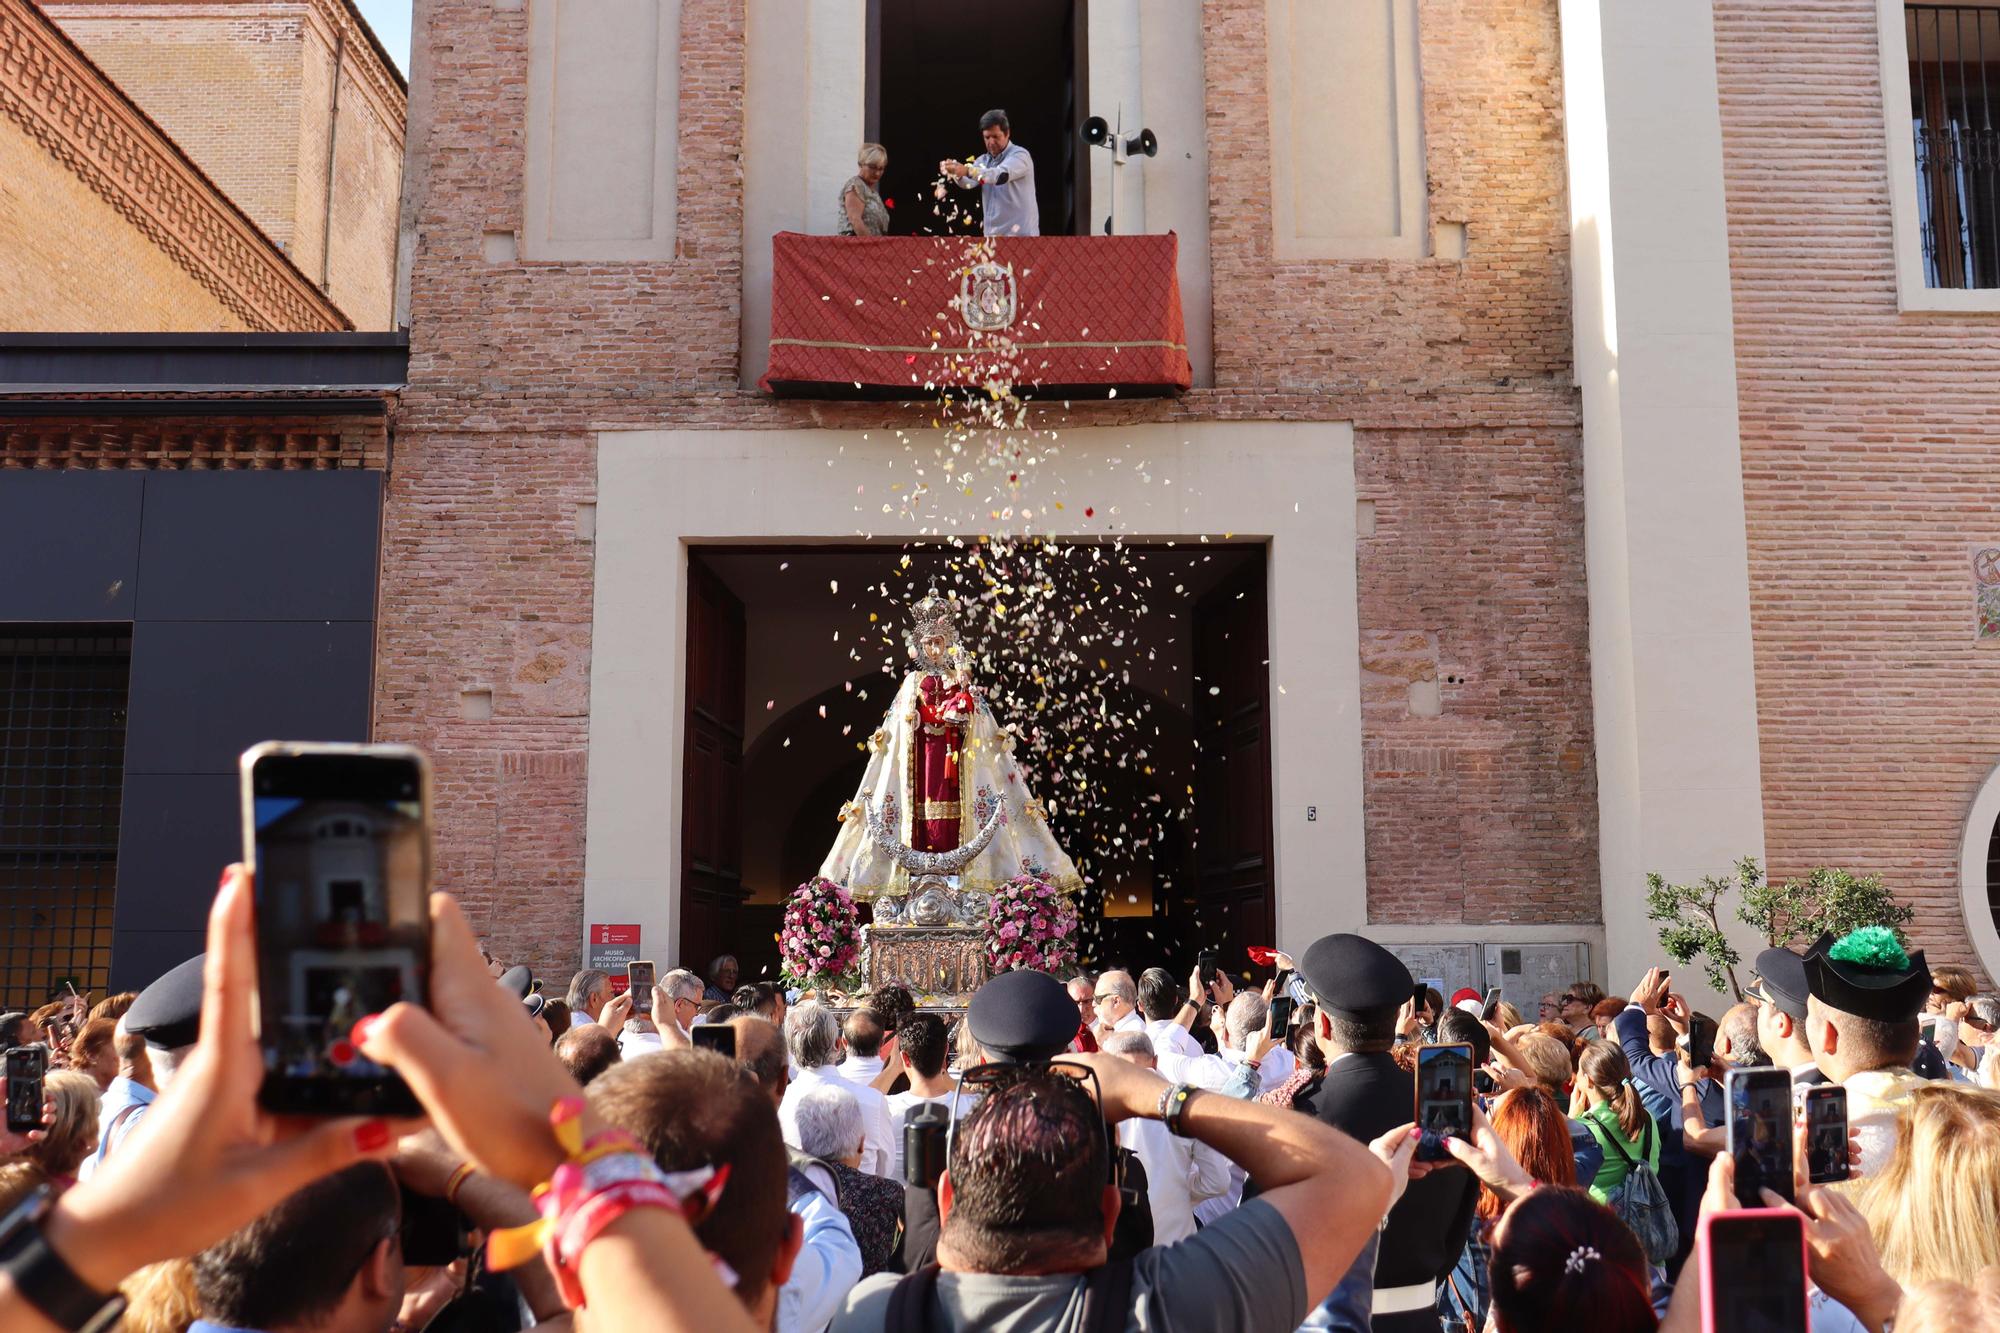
(246, 88)
(1868, 473)
(1456, 374)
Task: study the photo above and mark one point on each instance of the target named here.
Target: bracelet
(457, 1183)
(1173, 1108)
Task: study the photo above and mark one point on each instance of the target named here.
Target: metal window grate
(62, 770)
(1953, 90)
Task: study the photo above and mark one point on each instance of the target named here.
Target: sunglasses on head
(986, 1078)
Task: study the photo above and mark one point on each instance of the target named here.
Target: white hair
(829, 1122)
(1130, 1043)
(812, 1034)
(164, 1060)
(681, 984)
(1245, 1016)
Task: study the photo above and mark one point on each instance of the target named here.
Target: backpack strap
(1107, 1300)
(1606, 1138)
(910, 1302)
(111, 1130)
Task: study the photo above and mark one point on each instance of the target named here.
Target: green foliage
(1798, 911)
(1827, 901)
(1691, 923)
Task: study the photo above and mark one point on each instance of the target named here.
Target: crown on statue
(932, 618)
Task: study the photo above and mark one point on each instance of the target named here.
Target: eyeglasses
(1100, 999)
(1572, 999)
(986, 1078)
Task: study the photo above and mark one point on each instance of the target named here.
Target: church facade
(1571, 525)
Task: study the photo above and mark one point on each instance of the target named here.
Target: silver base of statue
(933, 942)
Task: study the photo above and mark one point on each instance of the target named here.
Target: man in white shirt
(922, 1048)
(1159, 1002)
(812, 1038)
(1117, 1001)
(864, 1038)
(1179, 1171)
(676, 1002)
(589, 991)
(1004, 175)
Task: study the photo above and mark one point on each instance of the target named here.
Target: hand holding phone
(639, 985)
(1205, 964)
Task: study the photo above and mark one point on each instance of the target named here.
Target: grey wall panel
(204, 691)
(260, 545)
(176, 834)
(140, 956)
(69, 544)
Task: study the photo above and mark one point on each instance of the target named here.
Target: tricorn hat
(1866, 973)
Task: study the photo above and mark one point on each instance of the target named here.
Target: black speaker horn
(1145, 143)
(1096, 131)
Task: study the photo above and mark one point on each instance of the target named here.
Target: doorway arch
(1979, 872)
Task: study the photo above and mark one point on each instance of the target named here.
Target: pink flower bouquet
(821, 939)
(1030, 924)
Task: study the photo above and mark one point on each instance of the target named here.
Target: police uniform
(1365, 1095)
(1868, 975)
(1027, 1017)
(1781, 975)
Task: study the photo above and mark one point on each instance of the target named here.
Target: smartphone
(338, 841)
(1826, 1133)
(1753, 1272)
(1205, 963)
(27, 1066)
(1759, 1116)
(926, 1126)
(1420, 995)
(1490, 1003)
(1484, 1083)
(1283, 981)
(639, 981)
(1281, 1015)
(1701, 1040)
(717, 1037)
(434, 1232)
(1444, 1098)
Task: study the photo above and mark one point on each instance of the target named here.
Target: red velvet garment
(934, 785)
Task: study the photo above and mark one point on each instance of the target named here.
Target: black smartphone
(1759, 1115)
(1420, 995)
(639, 982)
(27, 1067)
(1491, 1003)
(434, 1232)
(1826, 1133)
(1205, 964)
(1444, 1098)
(1283, 982)
(1701, 1040)
(1281, 1015)
(1484, 1083)
(1753, 1272)
(338, 840)
(717, 1037)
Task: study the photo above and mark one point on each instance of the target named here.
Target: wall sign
(610, 948)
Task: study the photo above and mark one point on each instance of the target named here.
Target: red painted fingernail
(223, 883)
(362, 1027)
(372, 1134)
(1416, 1133)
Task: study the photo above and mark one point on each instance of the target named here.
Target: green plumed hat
(1867, 973)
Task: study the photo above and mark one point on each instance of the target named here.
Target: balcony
(914, 316)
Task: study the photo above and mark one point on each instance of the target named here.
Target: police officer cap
(1022, 1017)
(518, 981)
(1354, 975)
(168, 1012)
(1781, 974)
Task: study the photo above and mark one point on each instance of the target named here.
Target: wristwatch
(44, 1280)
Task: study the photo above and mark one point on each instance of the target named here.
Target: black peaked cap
(1022, 1017)
(1352, 974)
(168, 1012)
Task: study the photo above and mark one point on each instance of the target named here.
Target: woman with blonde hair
(72, 1135)
(862, 212)
(1935, 1206)
(1607, 1104)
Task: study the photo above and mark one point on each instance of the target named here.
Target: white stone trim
(1899, 127)
(1973, 844)
(660, 492)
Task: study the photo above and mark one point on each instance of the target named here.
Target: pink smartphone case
(1707, 1249)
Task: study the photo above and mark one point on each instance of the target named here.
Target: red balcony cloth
(884, 312)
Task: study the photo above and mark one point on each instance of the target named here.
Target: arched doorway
(1979, 873)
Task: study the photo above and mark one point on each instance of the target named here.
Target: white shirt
(861, 1068)
(828, 1266)
(1179, 1174)
(878, 1137)
(1132, 1022)
(579, 1020)
(1170, 1038)
(899, 1107)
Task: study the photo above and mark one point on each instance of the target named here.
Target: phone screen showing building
(341, 925)
(1444, 1095)
(1760, 1134)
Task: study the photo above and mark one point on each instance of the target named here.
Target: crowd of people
(1111, 1150)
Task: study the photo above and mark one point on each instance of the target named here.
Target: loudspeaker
(1096, 131)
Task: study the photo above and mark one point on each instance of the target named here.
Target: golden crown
(932, 618)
